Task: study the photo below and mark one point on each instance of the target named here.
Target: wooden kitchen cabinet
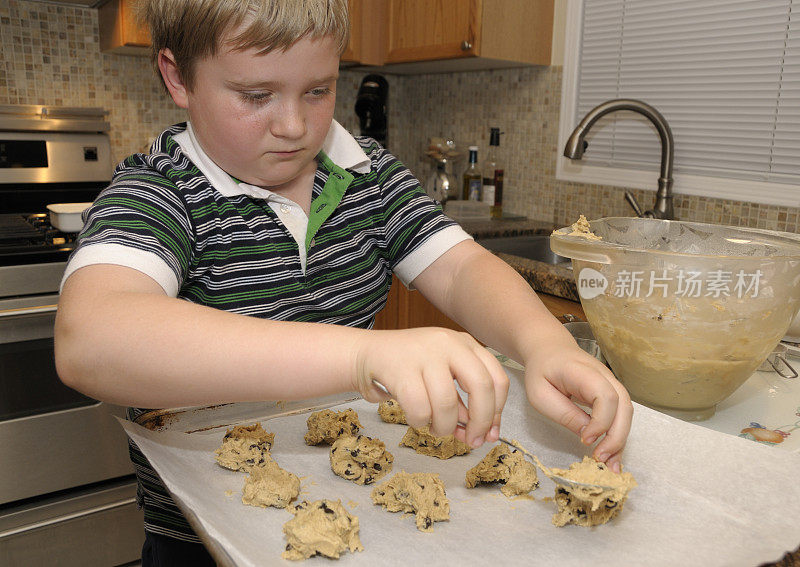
(465, 34)
(364, 47)
(407, 309)
(120, 31)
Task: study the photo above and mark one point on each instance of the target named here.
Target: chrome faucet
(576, 145)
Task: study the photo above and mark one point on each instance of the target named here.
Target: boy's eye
(320, 92)
(255, 96)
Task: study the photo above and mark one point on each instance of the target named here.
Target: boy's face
(263, 118)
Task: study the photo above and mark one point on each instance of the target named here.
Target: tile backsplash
(50, 54)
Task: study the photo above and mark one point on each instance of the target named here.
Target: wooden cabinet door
(120, 31)
(353, 52)
(423, 30)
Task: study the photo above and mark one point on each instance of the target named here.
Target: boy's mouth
(288, 153)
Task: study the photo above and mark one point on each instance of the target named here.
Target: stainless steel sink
(533, 247)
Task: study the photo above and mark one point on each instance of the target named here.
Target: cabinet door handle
(465, 45)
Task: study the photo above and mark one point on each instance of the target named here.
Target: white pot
(66, 217)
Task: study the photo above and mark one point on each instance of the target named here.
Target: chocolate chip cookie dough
(327, 425)
(360, 458)
(420, 493)
(270, 485)
(591, 507)
(244, 447)
(323, 527)
(426, 444)
(391, 412)
(507, 467)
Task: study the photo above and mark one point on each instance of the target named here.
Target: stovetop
(30, 239)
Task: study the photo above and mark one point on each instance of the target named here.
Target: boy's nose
(289, 122)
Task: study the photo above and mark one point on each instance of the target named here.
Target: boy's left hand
(561, 376)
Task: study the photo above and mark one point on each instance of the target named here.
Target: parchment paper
(704, 498)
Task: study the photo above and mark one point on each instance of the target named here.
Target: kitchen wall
(49, 54)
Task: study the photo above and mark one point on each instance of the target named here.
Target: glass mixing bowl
(684, 312)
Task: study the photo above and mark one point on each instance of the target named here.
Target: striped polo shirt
(209, 239)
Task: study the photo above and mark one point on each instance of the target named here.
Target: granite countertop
(556, 280)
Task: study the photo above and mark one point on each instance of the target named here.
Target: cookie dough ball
(422, 494)
(591, 506)
(323, 527)
(244, 447)
(442, 447)
(507, 467)
(327, 425)
(391, 412)
(270, 485)
(360, 458)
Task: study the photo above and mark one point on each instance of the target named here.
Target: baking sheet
(704, 498)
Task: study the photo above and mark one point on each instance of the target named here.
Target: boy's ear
(172, 78)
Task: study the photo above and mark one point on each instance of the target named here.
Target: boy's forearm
(498, 307)
(148, 350)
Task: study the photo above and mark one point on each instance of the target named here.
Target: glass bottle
(472, 177)
(493, 177)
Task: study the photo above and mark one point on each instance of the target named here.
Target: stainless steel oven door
(53, 438)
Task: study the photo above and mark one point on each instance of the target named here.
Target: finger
(443, 400)
(413, 398)
(500, 383)
(604, 398)
(474, 378)
(552, 403)
(614, 441)
(614, 462)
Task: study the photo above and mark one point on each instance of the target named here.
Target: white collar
(339, 145)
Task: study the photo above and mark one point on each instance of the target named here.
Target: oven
(67, 490)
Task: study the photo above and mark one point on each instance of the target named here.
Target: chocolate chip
(324, 507)
(348, 472)
(368, 480)
(288, 546)
(354, 452)
(428, 522)
(581, 512)
(377, 466)
(610, 504)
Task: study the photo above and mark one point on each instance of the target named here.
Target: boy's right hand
(420, 367)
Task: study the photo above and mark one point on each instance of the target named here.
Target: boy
(245, 257)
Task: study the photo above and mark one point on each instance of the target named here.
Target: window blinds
(724, 73)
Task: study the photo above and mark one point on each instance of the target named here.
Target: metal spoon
(569, 483)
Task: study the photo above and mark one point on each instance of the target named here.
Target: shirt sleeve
(417, 231)
(140, 221)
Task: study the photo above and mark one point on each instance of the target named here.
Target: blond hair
(193, 29)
